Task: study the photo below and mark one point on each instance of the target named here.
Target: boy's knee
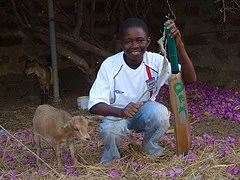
(105, 129)
(118, 128)
(156, 110)
(157, 115)
(160, 109)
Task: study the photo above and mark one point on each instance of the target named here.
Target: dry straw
(133, 165)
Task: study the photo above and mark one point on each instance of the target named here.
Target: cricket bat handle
(172, 51)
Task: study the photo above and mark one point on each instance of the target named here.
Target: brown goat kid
(44, 74)
(56, 126)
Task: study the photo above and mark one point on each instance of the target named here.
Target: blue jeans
(152, 118)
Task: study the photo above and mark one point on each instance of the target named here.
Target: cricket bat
(178, 100)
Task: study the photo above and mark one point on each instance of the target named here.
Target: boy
(118, 91)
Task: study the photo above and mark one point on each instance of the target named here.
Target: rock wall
(213, 46)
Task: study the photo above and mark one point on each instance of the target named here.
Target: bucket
(82, 102)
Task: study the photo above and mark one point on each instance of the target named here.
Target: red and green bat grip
(172, 50)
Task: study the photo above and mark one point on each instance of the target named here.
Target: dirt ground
(16, 111)
(18, 114)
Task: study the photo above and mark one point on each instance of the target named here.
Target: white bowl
(82, 102)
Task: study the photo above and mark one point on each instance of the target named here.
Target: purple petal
(12, 174)
(171, 173)
(114, 173)
(42, 172)
(233, 170)
(230, 139)
(162, 174)
(178, 171)
(9, 158)
(70, 170)
(136, 165)
(191, 156)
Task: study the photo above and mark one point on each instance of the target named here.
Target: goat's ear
(67, 125)
(85, 118)
(75, 118)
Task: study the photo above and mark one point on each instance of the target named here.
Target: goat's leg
(56, 148)
(44, 96)
(72, 151)
(38, 146)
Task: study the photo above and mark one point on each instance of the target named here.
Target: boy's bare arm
(106, 110)
(189, 74)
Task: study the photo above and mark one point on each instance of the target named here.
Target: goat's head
(79, 126)
(30, 67)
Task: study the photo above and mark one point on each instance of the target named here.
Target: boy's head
(134, 41)
(130, 23)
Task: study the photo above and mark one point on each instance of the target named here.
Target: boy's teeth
(136, 53)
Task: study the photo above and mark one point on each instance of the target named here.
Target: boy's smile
(134, 43)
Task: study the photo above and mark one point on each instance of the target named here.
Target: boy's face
(134, 43)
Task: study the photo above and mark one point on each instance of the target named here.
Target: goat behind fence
(44, 74)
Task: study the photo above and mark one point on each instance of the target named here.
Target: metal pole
(53, 50)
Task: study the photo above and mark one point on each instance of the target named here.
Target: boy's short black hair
(129, 23)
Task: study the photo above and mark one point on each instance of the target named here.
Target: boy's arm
(188, 71)
(106, 110)
(189, 74)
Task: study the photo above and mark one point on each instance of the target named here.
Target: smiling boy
(118, 91)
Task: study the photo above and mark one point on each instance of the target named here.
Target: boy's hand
(175, 33)
(130, 110)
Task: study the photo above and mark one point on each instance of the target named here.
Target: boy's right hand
(130, 110)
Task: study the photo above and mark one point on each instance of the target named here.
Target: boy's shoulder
(153, 55)
(114, 60)
(153, 58)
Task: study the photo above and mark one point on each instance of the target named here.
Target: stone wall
(214, 47)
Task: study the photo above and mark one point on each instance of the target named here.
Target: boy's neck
(128, 62)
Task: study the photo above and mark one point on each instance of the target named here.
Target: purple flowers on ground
(191, 156)
(207, 101)
(114, 173)
(223, 150)
(71, 170)
(171, 173)
(204, 102)
(136, 165)
(9, 158)
(214, 102)
(12, 174)
(234, 169)
(42, 172)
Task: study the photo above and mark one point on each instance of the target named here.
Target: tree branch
(80, 62)
(66, 15)
(79, 16)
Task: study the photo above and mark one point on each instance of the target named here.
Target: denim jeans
(152, 118)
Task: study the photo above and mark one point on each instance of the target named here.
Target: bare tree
(74, 20)
(228, 7)
(33, 20)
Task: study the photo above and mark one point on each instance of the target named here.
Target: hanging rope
(160, 80)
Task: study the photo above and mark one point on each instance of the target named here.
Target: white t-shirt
(117, 84)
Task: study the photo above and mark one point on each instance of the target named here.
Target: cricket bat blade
(180, 113)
